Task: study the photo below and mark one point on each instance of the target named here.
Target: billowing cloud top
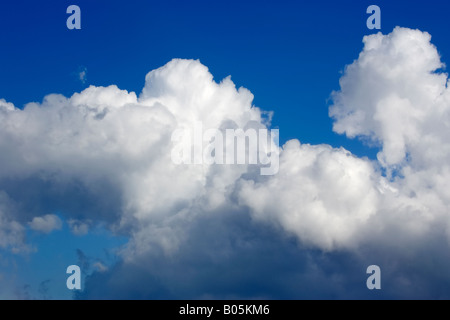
(103, 155)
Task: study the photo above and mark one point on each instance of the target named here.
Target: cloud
(46, 224)
(103, 156)
(392, 96)
(82, 75)
(6, 106)
(325, 196)
(79, 228)
(100, 267)
(12, 233)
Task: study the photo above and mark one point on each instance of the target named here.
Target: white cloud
(392, 96)
(324, 196)
(330, 199)
(104, 156)
(115, 146)
(82, 76)
(6, 106)
(79, 228)
(46, 224)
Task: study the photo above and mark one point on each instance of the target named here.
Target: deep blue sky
(289, 54)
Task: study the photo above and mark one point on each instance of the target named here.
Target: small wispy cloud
(100, 267)
(82, 75)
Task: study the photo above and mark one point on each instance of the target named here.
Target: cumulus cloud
(323, 195)
(46, 224)
(104, 156)
(6, 105)
(392, 96)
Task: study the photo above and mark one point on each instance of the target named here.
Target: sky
(86, 118)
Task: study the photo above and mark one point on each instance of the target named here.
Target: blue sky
(289, 54)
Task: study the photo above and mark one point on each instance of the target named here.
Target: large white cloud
(111, 150)
(393, 97)
(107, 145)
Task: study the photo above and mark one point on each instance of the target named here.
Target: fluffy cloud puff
(390, 96)
(46, 224)
(103, 155)
(323, 195)
(394, 96)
